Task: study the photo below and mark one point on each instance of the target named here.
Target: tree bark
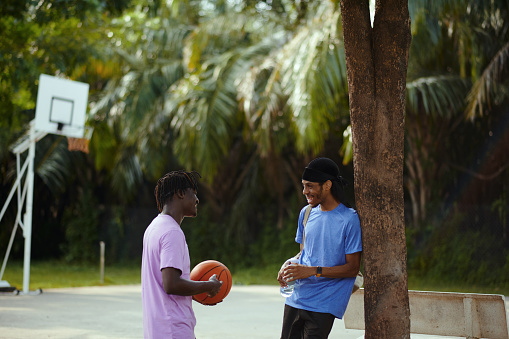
(377, 60)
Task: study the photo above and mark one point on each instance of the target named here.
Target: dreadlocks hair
(173, 182)
(338, 191)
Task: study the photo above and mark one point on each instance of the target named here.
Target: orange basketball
(203, 271)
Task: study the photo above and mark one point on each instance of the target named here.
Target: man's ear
(327, 185)
(180, 194)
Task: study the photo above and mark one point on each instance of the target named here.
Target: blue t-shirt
(329, 237)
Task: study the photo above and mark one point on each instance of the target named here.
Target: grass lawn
(417, 284)
(57, 274)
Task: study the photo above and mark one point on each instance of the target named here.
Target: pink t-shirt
(164, 315)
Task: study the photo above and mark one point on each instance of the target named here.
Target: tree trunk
(377, 60)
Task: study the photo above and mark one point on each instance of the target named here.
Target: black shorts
(302, 324)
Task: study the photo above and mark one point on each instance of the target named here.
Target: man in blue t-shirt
(330, 256)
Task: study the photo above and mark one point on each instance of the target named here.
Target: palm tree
(239, 96)
(254, 93)
(436, 103)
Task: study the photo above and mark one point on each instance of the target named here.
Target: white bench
(468, 315)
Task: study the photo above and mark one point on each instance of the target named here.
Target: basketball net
(78, 144)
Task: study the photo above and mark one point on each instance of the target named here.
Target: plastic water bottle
(288, 290)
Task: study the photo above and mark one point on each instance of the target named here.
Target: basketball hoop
(61, 110)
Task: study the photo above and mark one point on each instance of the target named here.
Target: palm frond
(486, 86)
(201, 113)
(436, 8)
(262, 97)
(439, 95)
(53, 163)
(204, 106)
(313, 75)
(127, 174)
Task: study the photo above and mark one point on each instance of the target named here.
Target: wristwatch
(318, 271)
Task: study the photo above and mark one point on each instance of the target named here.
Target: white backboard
(61, 106)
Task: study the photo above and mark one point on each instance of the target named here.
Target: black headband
(314, 175)
(323, 169)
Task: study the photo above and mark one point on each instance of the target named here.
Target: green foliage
(81, 231)
(205, 238)
(501, 207)
(16, 71)
(453, 254)
(113, 232)
(268, 246)
(273, 245)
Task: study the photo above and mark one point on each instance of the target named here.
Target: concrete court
(115, 312)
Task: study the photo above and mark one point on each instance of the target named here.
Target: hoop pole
(14, 187)
(8, 250)
(27, 230)
(18, 169)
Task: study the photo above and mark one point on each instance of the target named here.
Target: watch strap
(318, 271)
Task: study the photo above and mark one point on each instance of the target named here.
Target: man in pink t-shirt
(166, 287)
